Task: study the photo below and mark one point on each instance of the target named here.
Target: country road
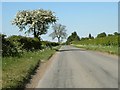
(77, 68)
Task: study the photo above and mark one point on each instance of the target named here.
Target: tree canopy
(73, 37)
(116, 33)
(103, 34)
(90, 36)
(59, 32)
(34, 21)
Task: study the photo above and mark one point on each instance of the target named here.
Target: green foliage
(15, 45)
(90, 36)
(116, 33)
(47, 44)
(108, 49)
(101, 35)
(104, 41)
(73, 37)
(17, 71)
(84, 38)
(36, 21)
(8, 48)
(30, 44)
(25, 43)
(110, 34)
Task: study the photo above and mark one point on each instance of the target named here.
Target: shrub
(46, 44)
(8, 48)
(29, 44)
(14, 45)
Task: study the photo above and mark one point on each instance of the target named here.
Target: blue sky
(82, 17)
(60, 0)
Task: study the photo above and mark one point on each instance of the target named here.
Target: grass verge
(108, 49)
(16, 71)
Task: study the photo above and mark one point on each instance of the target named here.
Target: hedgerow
(15, 45)
(8, 48)
(105, 41)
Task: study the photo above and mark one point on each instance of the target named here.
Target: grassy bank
(108, 49)
(16, 71)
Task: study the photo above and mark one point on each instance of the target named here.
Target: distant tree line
(101, 39)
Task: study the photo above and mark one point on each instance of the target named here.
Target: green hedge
(15, 45)
(105, 41)
(25, 43)
(8, 48)
(49, 44)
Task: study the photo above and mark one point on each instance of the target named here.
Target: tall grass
(16, 71)
(108, 49)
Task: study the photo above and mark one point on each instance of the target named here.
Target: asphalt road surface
(76, 68)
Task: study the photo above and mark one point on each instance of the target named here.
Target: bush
(46, 44)
(30, 44)
(15, 45)
(25, 43)
(8, 48)
(101, 35)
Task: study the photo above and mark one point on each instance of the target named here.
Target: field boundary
(97, 50)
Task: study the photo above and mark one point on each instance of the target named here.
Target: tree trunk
(36, 35)
(58, 39)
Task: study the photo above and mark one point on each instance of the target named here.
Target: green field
(16, 71)
(108, 49)
(107, 44)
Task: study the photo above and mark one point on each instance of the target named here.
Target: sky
(60, 0)
(82, 17)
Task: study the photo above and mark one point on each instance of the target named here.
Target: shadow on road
(70, 50)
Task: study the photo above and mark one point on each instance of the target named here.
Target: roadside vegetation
(18, 64)
(106, 43)
(21, 55)
(18, 70)
(108, 49)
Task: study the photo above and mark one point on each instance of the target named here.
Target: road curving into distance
(77, 68)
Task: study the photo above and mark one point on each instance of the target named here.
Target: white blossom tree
(59, 32)
(35, 21)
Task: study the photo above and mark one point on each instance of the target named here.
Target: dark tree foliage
(30, 44)
(73, 37)
(48, 44)
(90, 36)
(116, 33)
(103, 34)
(110, 34)
(16, 45)
(25, 43)
(84, 38)
(8, 48)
